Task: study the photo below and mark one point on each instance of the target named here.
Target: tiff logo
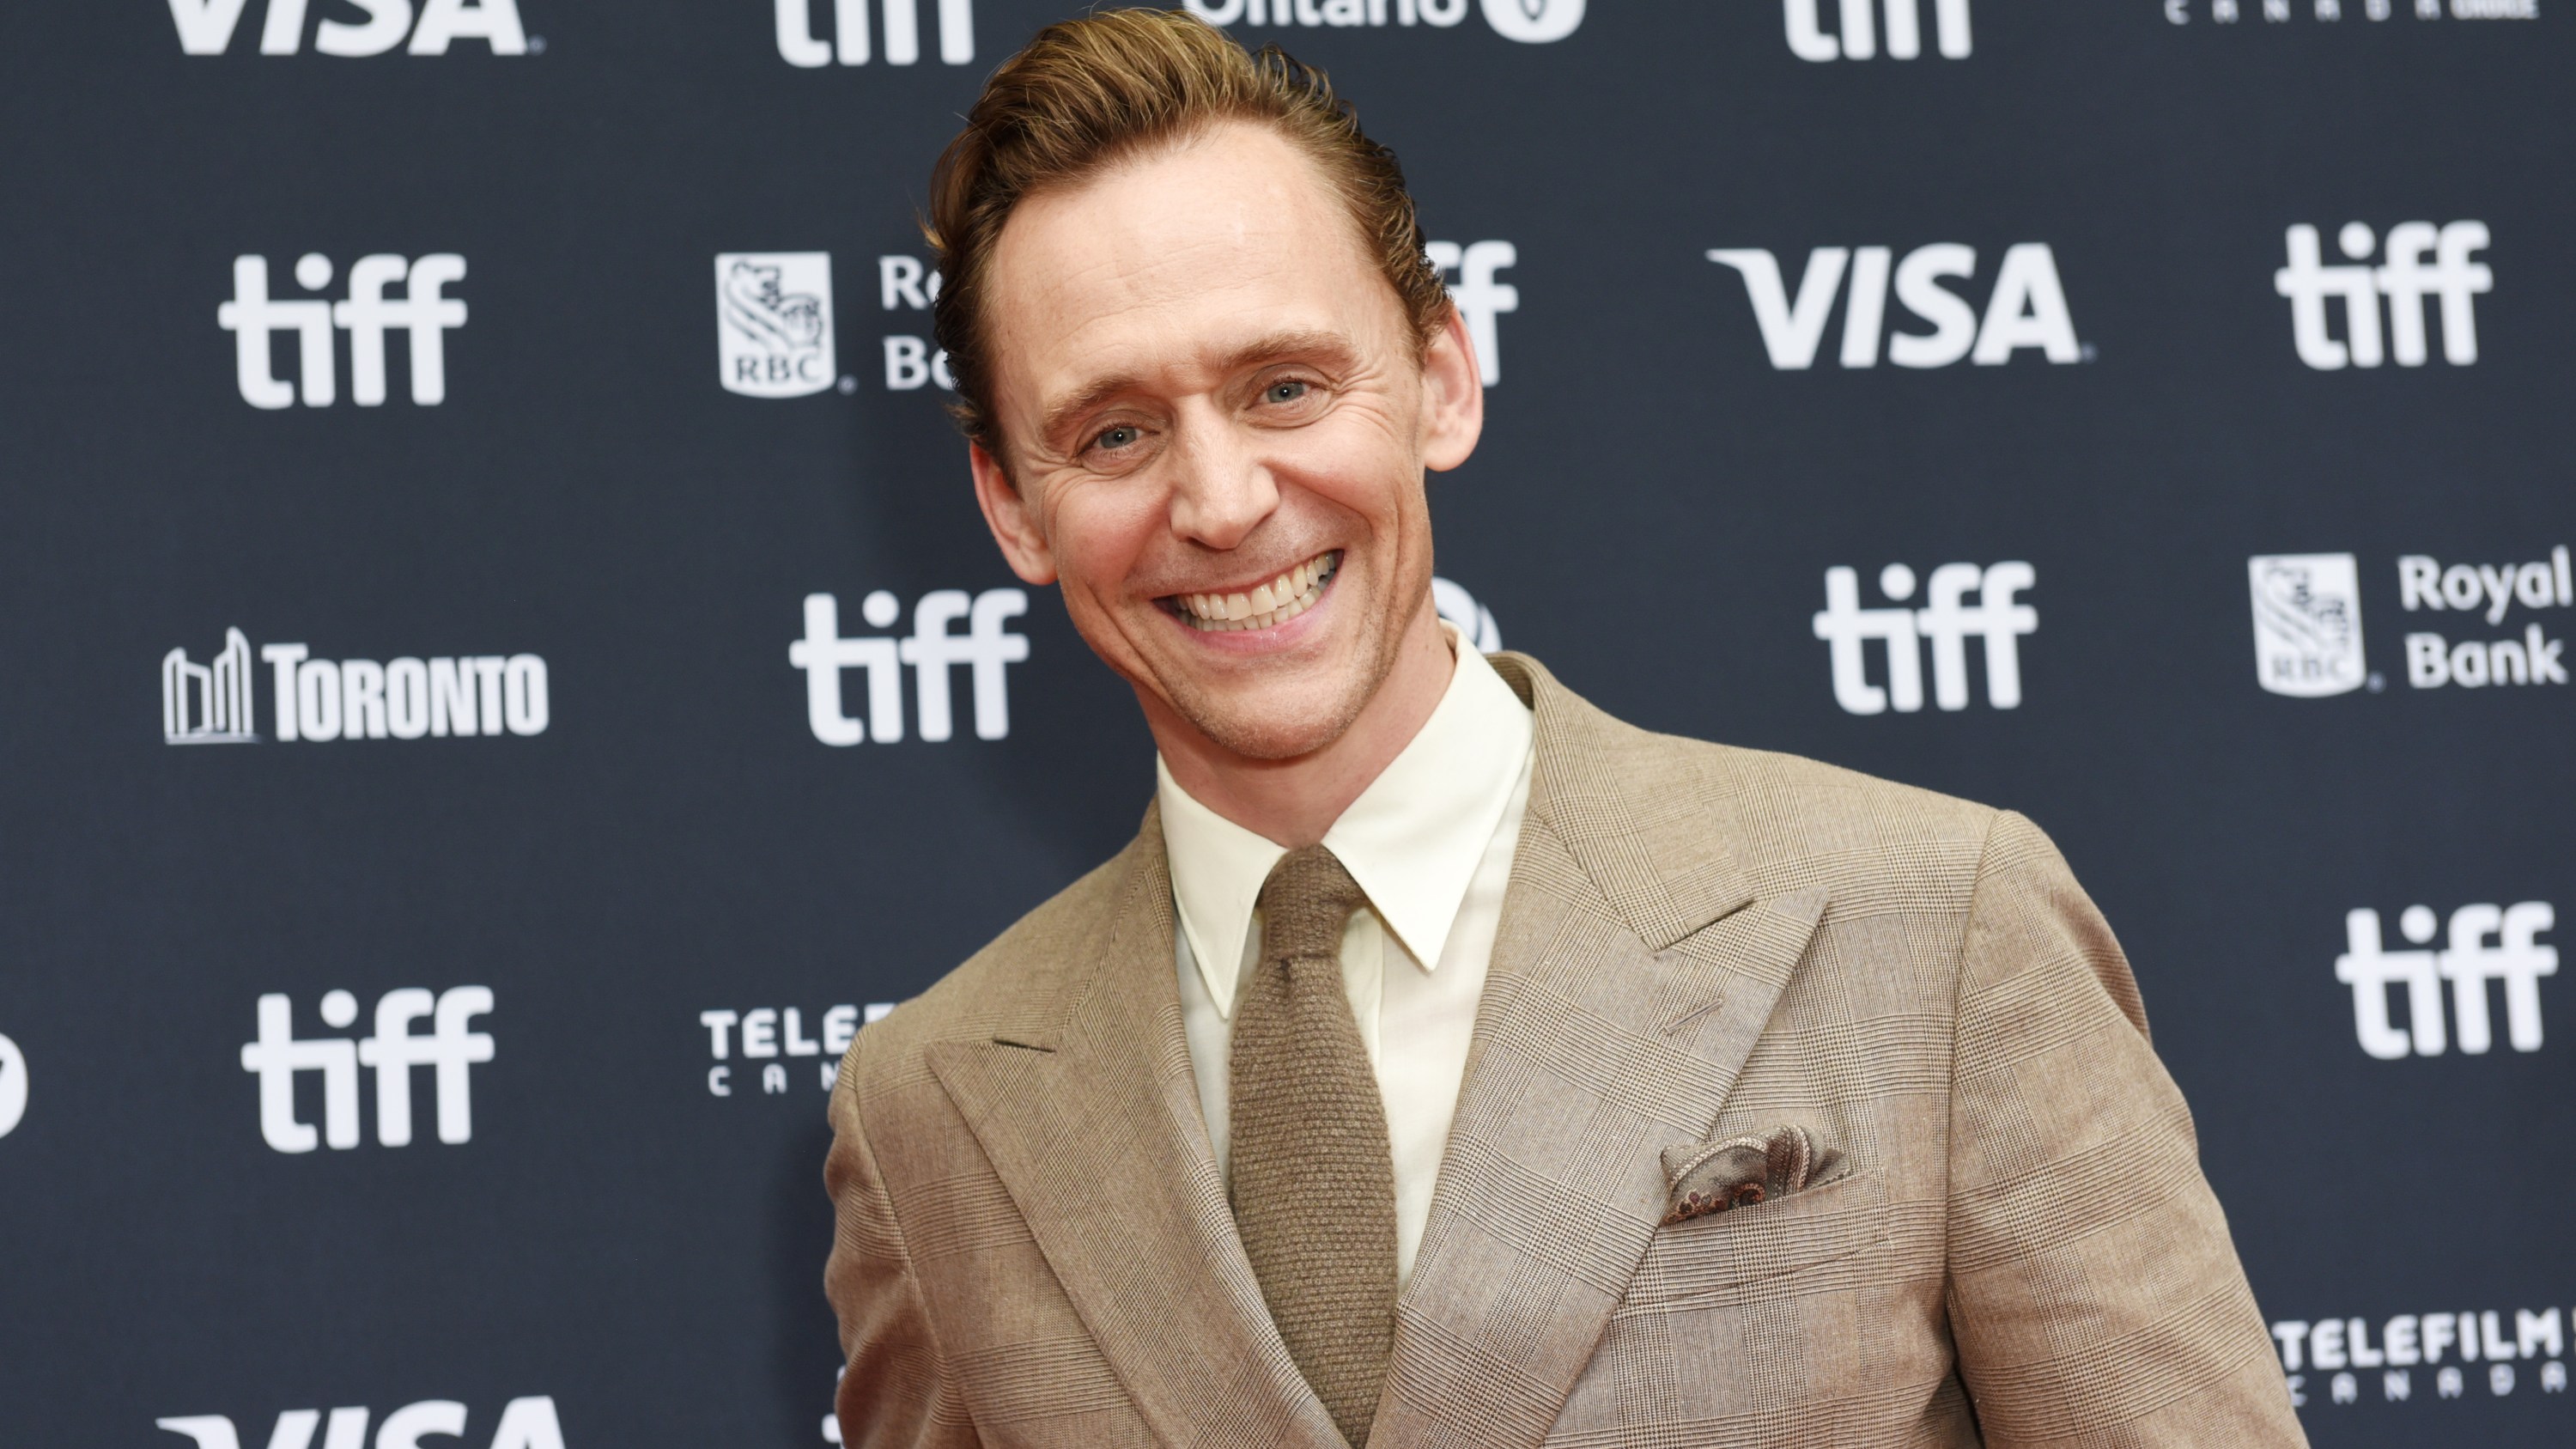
(799, 46)
(2403, 278)
(1947, 621)
(367, 315)
(2026, 309)
(1808, 40)
(449, 1049)
(206, 27)
(2467, 961)
(528, 1423)
(1479, 298)
(931, 650)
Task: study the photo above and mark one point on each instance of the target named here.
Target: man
(1445, 1062)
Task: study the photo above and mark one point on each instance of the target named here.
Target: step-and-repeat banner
(506, 678)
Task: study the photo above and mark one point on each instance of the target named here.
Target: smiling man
(1446, 1062)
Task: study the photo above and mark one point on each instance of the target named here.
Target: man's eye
(1116, 438)
(1284, 392)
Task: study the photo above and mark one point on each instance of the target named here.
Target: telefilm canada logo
(2435, 1357)
(769, 1038)
(451, 1048)
(408, 698)
(423, 313)
(2308, 636)
(896, 39)
(2486, 943)
(207, 27)
(1856, 37)
(1948, 619)
(526, 1423)
(2335, 12)
(2025, 308)
(1532, 22)
(2425, 268)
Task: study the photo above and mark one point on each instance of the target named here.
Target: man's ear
(1453, 396)
(1015, 526)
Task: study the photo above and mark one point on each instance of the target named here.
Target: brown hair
(1089, 92)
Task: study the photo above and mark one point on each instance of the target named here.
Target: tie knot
(1305, 903)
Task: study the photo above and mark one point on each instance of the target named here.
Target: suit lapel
(1093, 1125)
(1634, 970)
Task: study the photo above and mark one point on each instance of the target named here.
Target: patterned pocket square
(1711, 1177)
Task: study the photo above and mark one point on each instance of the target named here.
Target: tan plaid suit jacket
(2014, 1244)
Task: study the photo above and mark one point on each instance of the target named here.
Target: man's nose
(1222, 488)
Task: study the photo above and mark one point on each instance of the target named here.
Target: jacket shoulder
(1795, 822)
(1014, 985)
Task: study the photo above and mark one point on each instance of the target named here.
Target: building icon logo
(209, 704)
(774, 323)
(2307, 623)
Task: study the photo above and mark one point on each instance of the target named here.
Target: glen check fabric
(1313, 1180)
(2016, 1246)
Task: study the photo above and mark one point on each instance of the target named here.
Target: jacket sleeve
(2094, 1295)
(896, 1390)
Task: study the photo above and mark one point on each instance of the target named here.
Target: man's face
(1215, 418)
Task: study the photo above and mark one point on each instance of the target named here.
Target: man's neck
(1293, 802)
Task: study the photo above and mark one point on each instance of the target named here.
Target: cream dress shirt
(1430, 840)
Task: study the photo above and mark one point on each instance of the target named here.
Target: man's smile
(1263, 606)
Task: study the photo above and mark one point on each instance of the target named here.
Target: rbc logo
(2467, 962)
(1947, 622)
(2027, 309)
(1808, 40)
(206, 27)
(450, 1049)
(774, 323)
(2403, 279)
(931, 650)
(367, 315)
(2307, 623)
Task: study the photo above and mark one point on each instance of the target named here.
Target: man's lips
(1265, 605)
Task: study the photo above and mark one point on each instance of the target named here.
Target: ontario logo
(1532, 22)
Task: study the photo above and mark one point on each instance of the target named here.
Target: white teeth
(1266, 605)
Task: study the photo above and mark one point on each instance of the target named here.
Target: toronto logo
(774, 323)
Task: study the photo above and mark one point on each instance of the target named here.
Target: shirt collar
(1412, 840)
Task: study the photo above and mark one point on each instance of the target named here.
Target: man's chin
(1254, 734)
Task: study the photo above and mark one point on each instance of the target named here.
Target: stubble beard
(1255, 734)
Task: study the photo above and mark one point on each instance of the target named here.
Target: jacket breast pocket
(1736, 1253)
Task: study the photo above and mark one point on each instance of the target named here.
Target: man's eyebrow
(1274, 347)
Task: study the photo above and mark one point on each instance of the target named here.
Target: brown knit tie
(1312, 1177)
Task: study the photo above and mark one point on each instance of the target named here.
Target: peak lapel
(1633, 972)
(1093, 1126)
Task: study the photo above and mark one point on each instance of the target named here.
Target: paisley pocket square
(1711, 1177)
